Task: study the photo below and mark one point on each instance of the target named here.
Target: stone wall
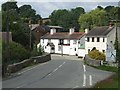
(91, 61)
(33, 60)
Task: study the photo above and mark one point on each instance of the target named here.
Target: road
(60, 72)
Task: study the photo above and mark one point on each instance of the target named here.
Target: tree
(20, 30)
(85, 21)
(66, 18)
(9, 6)
(27, 13)
(97, 17)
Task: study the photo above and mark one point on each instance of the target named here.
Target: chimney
(71, 30)
(86, 30)
(52, 30)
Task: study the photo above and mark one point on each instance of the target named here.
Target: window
(68, 41)
(103, 51)
(111, 42)
(43, 40)
(59, 48)
(52, 48)
(49, 40)
(61, 41)
(92, 39)
(88, 39)
(98, 39)
(74, 41)
(75, 49)
(103, 39)
(88, 50)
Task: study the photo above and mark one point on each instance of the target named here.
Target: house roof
(63, 35)
(100, 31)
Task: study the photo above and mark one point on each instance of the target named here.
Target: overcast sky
(45, 8)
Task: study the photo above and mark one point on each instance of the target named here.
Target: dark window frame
(88, 39)
(98, 39)
(93, 39)
(103, 39)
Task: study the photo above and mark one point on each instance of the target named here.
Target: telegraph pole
(30, 34)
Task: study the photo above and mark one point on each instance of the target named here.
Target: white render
(71, 49)
(110, 37)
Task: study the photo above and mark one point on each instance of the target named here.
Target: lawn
(112, 81)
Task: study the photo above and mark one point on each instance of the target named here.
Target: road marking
(84, 68)
(49, 74)
(90, 80)
(84, 79)
(55, 69)
(60, 66)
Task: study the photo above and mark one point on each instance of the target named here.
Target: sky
(46, 7)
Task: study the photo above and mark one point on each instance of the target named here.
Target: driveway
(61, 72)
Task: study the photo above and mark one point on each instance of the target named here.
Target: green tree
(66, 18)
(26, 13)
(97, 17)
(85, 21)
(20, 30)
(9, 6)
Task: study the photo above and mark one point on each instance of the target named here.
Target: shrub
(36, 51)
(15, 54)
(97, 55)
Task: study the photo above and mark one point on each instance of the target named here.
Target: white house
(102, 38)
(63, 42)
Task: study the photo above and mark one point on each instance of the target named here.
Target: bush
(97, 55)
(36, 51)
(15, 54)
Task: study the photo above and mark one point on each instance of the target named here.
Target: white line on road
(90, 80)
(55, 69)
(84, 79)
(84, 68)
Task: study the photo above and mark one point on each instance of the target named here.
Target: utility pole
(30, 34)
(7, 42)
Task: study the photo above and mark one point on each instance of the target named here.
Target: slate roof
(100, 31)
(63, 35)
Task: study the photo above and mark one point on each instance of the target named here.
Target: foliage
(13, 53)
(35, 51)
(98, 17)
(107, 68)
(66, 18)
(97, 55)
(20, 30)
(26, 13)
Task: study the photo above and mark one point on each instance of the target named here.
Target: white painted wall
(111, 37)
(100, 45)
(67, 49)
(81, 53)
